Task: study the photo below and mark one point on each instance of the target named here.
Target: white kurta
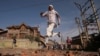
(52, 22)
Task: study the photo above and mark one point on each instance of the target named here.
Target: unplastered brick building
(21, 31)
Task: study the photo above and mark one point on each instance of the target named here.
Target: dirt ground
(44, 52)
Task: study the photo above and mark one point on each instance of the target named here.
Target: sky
(15, 12)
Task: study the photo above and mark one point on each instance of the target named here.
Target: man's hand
(41, 14)
(58, 23)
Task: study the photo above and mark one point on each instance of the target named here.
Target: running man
(53, 21)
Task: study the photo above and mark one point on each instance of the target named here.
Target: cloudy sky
(15, 12)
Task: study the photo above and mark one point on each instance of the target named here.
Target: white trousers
(50, 28)
(50, 32)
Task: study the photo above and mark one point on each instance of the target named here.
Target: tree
(30, 37)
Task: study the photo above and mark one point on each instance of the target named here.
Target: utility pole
(61, 38)
(83, 9)
(85, 26)
(80, 29)
(95, 14)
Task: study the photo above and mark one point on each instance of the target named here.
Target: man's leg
(46, 40)
(54, 34)
(50, 29)
(50, 32)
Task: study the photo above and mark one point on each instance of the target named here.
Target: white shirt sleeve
(58, 17)
(45, 13)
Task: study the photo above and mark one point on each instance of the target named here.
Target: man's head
(50, 7)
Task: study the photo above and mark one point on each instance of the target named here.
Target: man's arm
(58, 18)
(43, 14)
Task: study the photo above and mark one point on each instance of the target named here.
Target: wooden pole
(80, 29)
(95, 14)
